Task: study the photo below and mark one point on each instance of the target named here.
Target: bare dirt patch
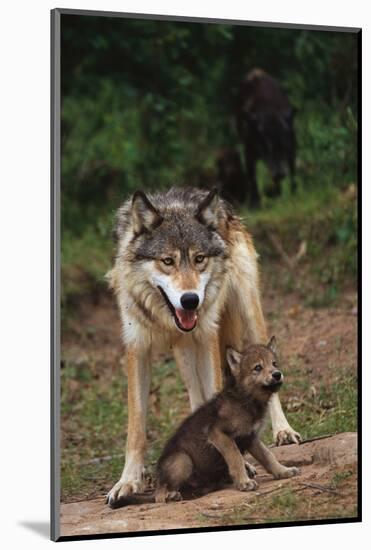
(326, 488)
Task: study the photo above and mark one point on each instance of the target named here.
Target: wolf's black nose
(276, 375)
(189, 300)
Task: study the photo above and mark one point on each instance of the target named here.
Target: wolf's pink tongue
(187, 319)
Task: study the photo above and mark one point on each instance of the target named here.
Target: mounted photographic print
(205, 202)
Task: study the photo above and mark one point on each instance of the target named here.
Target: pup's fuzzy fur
(183, 241)
(206, 451)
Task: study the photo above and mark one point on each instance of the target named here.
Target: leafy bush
(149, 103)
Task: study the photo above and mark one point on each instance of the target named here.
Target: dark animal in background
(265, 126)
(232, 180)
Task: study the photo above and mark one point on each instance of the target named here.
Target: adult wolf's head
(175, 254)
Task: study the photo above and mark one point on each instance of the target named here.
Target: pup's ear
(144, 215)
(272, 345)
(207, 211)
(234, 360)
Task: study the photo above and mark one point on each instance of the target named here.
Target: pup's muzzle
(275, 381)
(277, 375)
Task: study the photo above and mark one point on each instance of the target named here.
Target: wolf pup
(207, 448)
(186, 281)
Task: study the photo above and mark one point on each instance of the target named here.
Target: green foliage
(149, 103)
(325, 220)
(327, 147)
(85, 260)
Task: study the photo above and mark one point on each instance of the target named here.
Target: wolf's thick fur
(206, 450)
(186, 280)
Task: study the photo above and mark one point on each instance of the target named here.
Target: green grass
(339, 477)
(291, 504)
(324, 220)
(94, 420)
(333, 410)
(93, 423)
(281, 507)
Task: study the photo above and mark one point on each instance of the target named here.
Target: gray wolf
(186, 281)
(265, 124)
(207, 449)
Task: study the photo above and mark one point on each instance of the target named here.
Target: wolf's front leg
(209, 366)
(132, 480)
(200, 369)
(185, 354)
(282, 431)
(283, 434)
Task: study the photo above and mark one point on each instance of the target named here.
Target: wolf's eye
(199, 258)
(168, 261)
(258, 367)
(274, 363)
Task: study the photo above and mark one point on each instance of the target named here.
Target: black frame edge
(191, 19)
(192, 530)
(359, 272)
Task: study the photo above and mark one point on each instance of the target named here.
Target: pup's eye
(274, 363)
(199, 258)
(168, 261)
(258, 368)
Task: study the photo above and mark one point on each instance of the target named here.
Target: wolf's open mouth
(184, 320)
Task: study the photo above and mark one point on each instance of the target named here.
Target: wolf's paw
(287, 436)
(287, 472)
(251, 471)
(246, 485)
(124, 488)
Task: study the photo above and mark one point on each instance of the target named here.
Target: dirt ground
(315, 343)
(328, 476)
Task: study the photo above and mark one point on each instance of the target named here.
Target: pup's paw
(246, 485)
(124, 488)
(287, 436)
(163, 495)
(287, 472)
(251, 471)
(173, 496)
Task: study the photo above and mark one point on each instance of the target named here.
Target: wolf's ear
(207, 211)
(144, 214)
(272, 345)
(234, 360)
